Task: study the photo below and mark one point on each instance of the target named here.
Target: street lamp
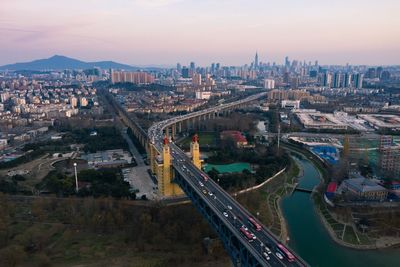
(76, 178)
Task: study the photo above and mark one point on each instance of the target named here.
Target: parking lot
(140, 180)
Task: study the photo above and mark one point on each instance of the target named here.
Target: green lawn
(350, 236)
(204, 139)
(228, 168)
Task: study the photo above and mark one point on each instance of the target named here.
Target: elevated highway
(247, 241)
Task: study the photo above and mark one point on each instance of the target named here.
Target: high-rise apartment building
(337, 80)
(269, 84)
(196, 79)
(131, 77)
(347, 80)
(327, 79)
(358, 80)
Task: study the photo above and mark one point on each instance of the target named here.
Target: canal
(310, 239)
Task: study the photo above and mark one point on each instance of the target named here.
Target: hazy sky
(141, 32)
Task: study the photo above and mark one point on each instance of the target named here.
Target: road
(236, 218)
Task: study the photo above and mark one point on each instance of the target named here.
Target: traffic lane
(222, 207)
(239, 235)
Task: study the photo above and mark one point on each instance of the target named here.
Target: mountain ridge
(60, 62)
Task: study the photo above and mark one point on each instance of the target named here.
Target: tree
(12, 255)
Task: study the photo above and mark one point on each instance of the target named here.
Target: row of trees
(267, 161)
(175, 230)
(100, 183)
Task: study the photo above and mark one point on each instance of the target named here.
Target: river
(310, 239)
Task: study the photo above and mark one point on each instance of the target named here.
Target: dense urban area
(79, 186)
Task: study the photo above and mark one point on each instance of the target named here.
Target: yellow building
(164, 171)
(195, 151)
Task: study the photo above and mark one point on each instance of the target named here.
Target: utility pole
(279, 135)
(76, 178)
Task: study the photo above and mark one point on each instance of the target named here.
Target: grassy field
(205, 139)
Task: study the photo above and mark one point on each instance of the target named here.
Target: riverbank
(310, 239)
(264, 200)
(343, 233)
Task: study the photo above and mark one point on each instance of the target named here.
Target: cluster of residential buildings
(36, 104)
(158, 102)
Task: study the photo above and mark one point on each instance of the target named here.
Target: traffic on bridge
(260, 244)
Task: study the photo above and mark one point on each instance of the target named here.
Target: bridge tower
(165, 173)
(195, 151)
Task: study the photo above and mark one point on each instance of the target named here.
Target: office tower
(316, 63)
(371, 73)
(385, 75)
(218, 66)
(192, 66)
(313, 73)
(337, 80)
(347, 80)
(212, 68)
(185, 72)
(256, 61)
(287, 62)
(286, 77)
(358, 80)
(379, 72)
(178, 67)
(269, 84)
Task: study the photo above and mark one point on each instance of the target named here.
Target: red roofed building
(331, 190)
(239, 139)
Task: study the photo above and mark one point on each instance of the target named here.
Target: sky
(164, 32)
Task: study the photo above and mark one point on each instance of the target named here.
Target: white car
(225, 214)
(210, 194)
(279, 255)
(201, 184)
(229, 207)
(266, 256)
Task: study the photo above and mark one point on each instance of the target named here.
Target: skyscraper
(287, 62)
(347, 80)
(192, 66)
(256, 61)
(358, 80)
(327, 79)
(185, 72)
(337, 80)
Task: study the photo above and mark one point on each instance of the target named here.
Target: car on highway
(201, 184)
(210, 194)
(229, 207)
(279, 255)
(225, 214)
(204, 192)
(268, 250)
(266, 256)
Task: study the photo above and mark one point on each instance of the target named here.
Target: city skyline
(163, 32)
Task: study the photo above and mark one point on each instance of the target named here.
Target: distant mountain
(61, 63)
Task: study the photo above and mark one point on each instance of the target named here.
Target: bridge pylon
(164, 171)
(195, 151)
